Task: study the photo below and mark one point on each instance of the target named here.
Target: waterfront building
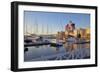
(61, 36)
(70, 26)
(72, 31)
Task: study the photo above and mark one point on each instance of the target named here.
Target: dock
(41, 44)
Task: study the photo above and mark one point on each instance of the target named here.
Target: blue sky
(54, 21)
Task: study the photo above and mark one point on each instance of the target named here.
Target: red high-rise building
(70, 26)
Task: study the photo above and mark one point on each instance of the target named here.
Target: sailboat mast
(42, 29)
(31, 29)
(61, 25)
(36, 26)
(47, 28)
(51, 29)
(26, 29)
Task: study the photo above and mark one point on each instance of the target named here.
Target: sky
(51, 22)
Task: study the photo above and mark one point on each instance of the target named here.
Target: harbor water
(68, 51)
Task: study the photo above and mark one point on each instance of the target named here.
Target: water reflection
(73, 46)
(65, 52)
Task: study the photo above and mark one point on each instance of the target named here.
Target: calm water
(65, 52)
